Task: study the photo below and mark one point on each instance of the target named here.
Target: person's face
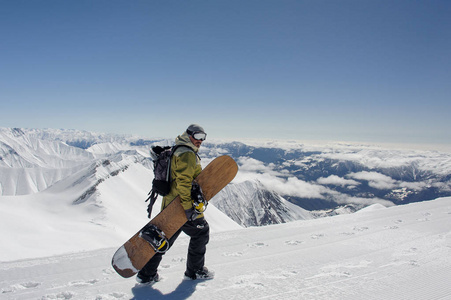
(196, 143)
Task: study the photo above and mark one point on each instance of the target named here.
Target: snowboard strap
(199, 202)
(155, 237)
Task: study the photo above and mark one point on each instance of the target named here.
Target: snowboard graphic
(136, 252)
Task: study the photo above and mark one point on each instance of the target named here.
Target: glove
(191, 214)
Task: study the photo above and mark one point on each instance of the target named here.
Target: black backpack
(161, 184)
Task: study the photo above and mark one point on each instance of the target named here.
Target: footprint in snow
(414, 263)
(114, 295)
(317, 236)
(410, 251)
(30, 285)
(425, 217)
(333, 274)
(62, 295)
(21, 286)
(348, 233)
(257, 245)
(106, 272)
(394, 226)
(175, 260)
(363, 228)
(289, 273)
(178, 259)
(391, 227)
(293, 243)
(248, 281)
(233, 254)
(83, 283)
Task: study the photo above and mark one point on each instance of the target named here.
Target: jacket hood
(184, 139)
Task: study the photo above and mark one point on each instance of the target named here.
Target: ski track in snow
(396, 253)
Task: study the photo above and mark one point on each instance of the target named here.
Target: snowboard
(136, 252)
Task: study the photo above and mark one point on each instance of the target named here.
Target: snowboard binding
(155, 237)
(199, 202)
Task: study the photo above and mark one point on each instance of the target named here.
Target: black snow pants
(199, 232)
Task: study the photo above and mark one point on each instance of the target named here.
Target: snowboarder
(185, 166)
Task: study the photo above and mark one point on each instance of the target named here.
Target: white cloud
(336, 180)
(284, 186)
(292, 186)
(444, 186)
(295, 187)
(416, 186)
(345, 199)
(248, 164)
(375, 180)
(252, 169)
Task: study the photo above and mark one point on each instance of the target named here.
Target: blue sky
(368, 71)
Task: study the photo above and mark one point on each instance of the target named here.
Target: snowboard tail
(137, 251)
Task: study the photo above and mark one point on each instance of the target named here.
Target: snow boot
(143, 279)
(202, 274)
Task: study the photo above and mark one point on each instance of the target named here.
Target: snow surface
(400, 252)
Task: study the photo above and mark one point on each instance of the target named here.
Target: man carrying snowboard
(185, 166)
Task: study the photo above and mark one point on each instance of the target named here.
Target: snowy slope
(97, 207)
(401, 252)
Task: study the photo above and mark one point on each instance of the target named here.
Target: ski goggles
(200, 136)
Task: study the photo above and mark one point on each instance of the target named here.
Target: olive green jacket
(185, 166)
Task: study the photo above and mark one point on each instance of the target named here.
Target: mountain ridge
(325, 177)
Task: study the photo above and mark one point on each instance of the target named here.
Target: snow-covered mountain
(250, 204)
(29, 165)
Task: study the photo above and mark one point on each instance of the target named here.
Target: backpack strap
(168, 177)
(153, 197)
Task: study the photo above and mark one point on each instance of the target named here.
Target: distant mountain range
(277, 181)
(332, 175)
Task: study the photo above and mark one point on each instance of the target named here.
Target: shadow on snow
(183, 291)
